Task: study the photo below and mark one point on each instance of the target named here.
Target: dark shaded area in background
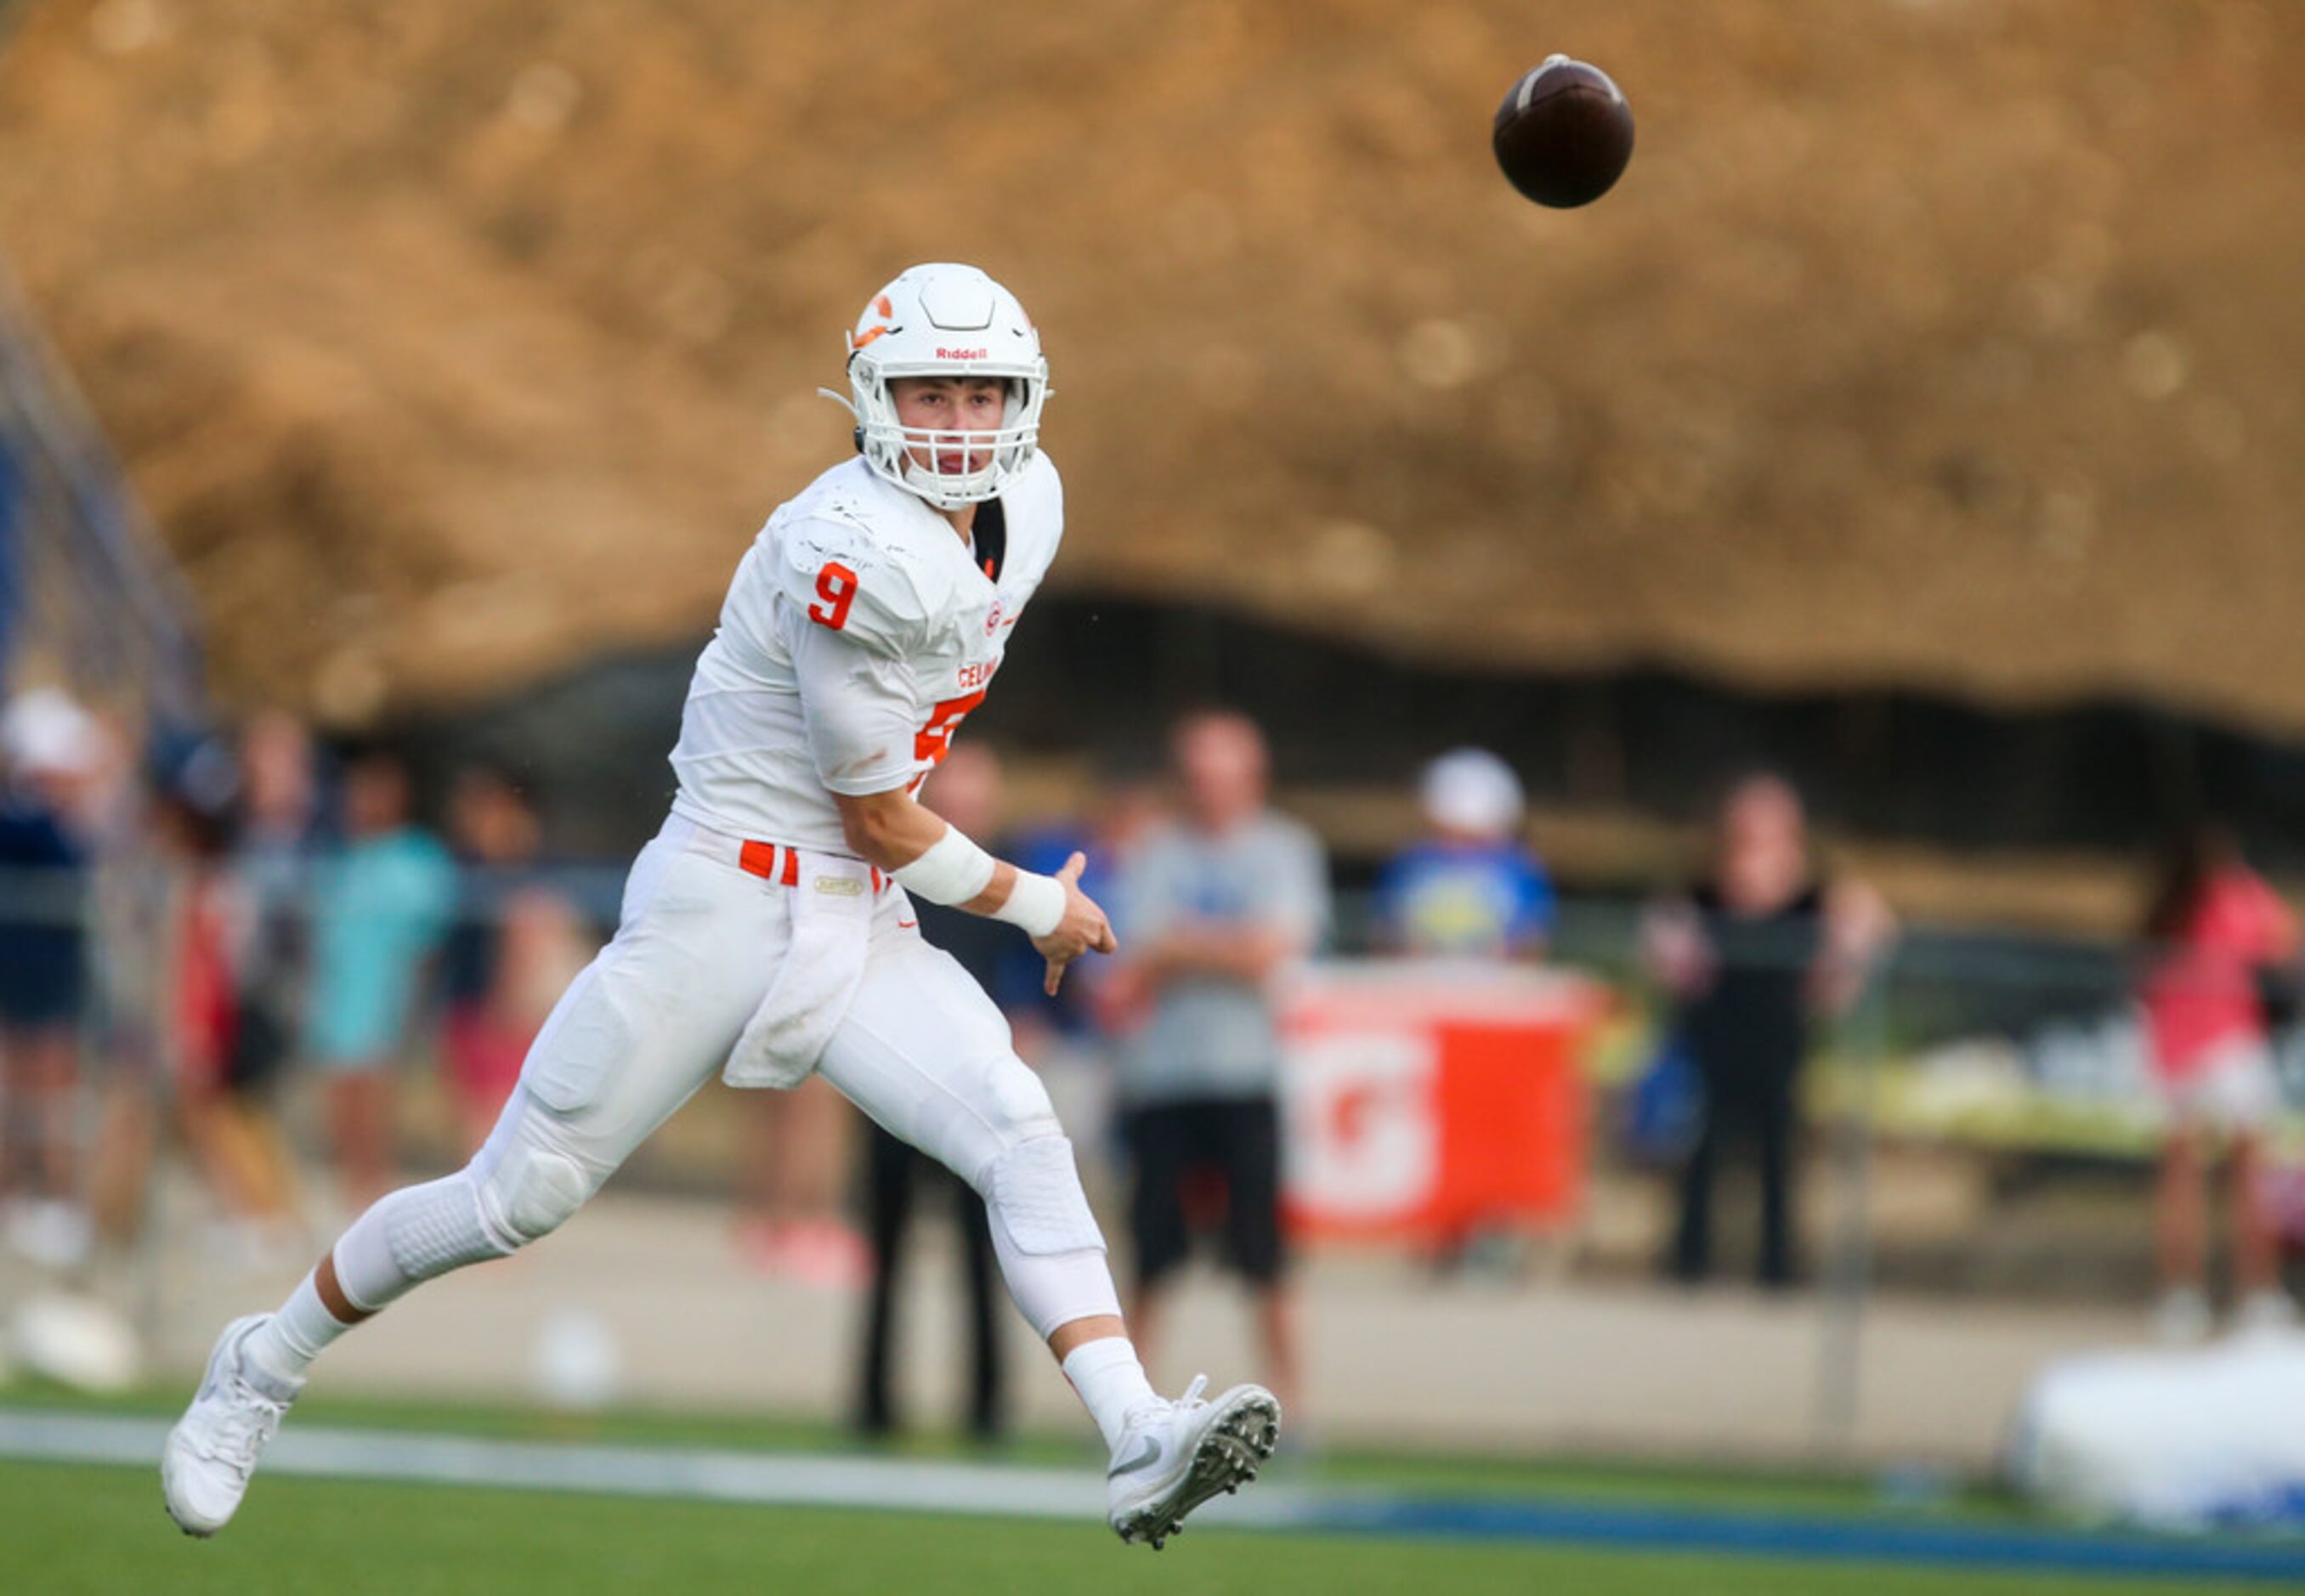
(1104, 676)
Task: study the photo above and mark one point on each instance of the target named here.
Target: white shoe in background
(52, 1233)
(76, 1340)
(2182, 1318)
(2264, 1312)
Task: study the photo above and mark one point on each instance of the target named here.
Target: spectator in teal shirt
(381, 908)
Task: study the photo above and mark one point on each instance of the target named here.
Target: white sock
(285, 1344)
(1111, 1383)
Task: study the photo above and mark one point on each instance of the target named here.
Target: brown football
(1564, 134)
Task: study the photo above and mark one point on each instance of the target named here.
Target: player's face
(948, 409)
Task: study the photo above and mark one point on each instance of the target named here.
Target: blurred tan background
(1950, 344)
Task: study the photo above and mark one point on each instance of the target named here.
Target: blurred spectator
(967, 791)
(1211, 909)
(1129, 805)
(52, 754)
(517, 943)
(796, 1164)
(1469, 889)
(202, 974)
(2215, 925)
(227, 1044)
(133, 907)
(274, 852)
(1129, 802)
(1751, 955)
(379, 911)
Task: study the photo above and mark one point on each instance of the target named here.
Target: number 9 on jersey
(835, 586)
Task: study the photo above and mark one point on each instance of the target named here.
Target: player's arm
(933, 859)
(894, 831)
(859, 700)
(1858, 925)
(1679, 957)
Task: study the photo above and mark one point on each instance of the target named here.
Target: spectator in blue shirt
(1469, 888)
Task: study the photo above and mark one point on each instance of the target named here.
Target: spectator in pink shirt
(2215, 926)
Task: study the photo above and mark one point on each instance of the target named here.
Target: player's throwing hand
(1084, 928)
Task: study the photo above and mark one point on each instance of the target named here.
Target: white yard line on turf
(993, 1489)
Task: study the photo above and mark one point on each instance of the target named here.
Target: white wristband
(953, 871)
(1036, 903)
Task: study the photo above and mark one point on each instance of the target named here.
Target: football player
(767, 932)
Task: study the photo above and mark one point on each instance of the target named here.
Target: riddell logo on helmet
(963, 355)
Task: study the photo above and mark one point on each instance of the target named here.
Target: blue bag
(1666, 1111)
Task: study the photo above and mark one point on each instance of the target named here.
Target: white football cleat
(1173, 1458)
(212, 1452)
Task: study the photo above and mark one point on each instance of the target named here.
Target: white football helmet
(945, 321)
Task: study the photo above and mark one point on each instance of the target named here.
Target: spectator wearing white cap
(52, 754)
(1469, 888)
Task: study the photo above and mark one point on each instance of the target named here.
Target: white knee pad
(1050, 1250)
(1034, 1193)
(413, 1235)
(533, 1185)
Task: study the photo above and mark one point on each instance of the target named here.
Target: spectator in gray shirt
(1211, 908)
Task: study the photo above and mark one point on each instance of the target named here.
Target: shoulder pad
(840, 573)
(1035, 501)
(1039, 486)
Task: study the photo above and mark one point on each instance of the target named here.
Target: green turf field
(77, 1529)
(80, 1527)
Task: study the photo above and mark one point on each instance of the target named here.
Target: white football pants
(922, 1050)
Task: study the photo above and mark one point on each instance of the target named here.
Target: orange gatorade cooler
(1423, 1099)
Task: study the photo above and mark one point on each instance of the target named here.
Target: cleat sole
(1228, 1458)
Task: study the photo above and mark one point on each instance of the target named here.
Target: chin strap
(856, 434)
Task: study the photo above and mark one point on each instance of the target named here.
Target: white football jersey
(858, 634)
